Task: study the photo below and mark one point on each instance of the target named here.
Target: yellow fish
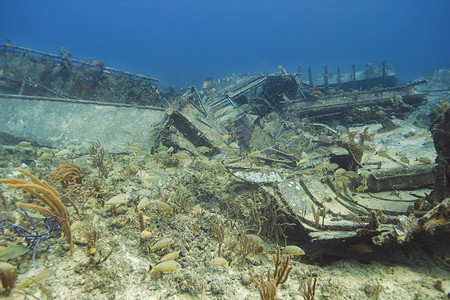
(166, 266)
(293, 250)
(219, 261)
(162, 244)
(360, 248)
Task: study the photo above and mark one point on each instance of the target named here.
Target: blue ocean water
(184, 42)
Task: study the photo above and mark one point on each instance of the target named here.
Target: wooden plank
(78, 101)
(192, 124)
(227, 98)
(300, 195)
(339, 103)
(391, 179)
(392, 203)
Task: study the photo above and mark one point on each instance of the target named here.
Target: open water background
(185, 42)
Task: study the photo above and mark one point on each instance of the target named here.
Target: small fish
(24, 144)
(383, 153)
(396, 136)
(46, 273)
(164, 207)
(322, 166)
(117, 200)
(206, 84)
(360, 248)
(342, 180)
(332, 166)
(182, 155)
(56, 70)
(234, 145)
(293, 250)
(219, 156)
(343, 137)
(143, 203)
(341, 128)
(127, 131)
(321, 151)
(4, 266)
(404, 160)
(133, 148)
(362, 188)
(166, 266)
(402, 153)
(255, 238)
(162, 244)
(161, 148)
(380, 113)
(45, 150)
(217, 167)
(75, 226)
(351, 174)
(424, 160)
(160, 174)
(117, 149)
(141, 193)
(13, 251)
(390, 142)
(203, 149)
(63, 153)
(325, 139)
(170, 256)
(339, 172)
(219, 261)
(253, 154)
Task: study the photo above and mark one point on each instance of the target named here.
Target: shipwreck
(333, 150)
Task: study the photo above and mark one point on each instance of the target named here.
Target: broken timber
(190, 122)
(339, 103)
(412, 177)
(228, 97)
(79, 101)
(328, 214)
(371, 77)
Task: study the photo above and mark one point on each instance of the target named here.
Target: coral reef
(268, 289)
(45, 194)
(68, 174)
(210, 228)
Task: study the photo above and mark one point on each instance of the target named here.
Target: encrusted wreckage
(40, 74)
(289, 136)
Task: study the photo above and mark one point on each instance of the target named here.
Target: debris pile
(300, 141)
